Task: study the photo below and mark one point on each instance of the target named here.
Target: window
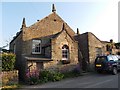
(36, 47)
(101, 59)
(65, 52)
(98, 51)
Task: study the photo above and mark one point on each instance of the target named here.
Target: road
(89, 80)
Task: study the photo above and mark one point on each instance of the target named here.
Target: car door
(118, 57)
(118, 63)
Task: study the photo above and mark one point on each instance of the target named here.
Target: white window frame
(36, 46)
(65, 54)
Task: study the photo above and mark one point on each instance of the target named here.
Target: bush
(8, 61)
(46, 76)
(74, 73)
(32, 77)
(56, 76)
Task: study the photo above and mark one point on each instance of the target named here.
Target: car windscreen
(112, 58)
(101, 59)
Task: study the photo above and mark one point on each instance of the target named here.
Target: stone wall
(83, 49)
(88, 44)
(9, 77)
(57, 44)
(17, 45)
(49, 25)
(93, 44)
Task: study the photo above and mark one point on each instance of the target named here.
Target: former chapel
(50, 43)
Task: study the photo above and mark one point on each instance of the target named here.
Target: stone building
(118, 48)
(91, 47)
(51, 44)
(47, 44)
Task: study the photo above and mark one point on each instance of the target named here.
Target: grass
(11, 87)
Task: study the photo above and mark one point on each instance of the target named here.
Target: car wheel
(114, 71)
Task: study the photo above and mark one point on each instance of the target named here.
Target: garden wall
(9, 77)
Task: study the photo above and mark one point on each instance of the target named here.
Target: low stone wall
(9, 77)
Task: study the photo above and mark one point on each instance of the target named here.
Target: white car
(118, 56)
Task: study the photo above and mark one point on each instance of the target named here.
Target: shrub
(46, 76)
(55, 76)
(8, 61)
(32, 77)
(74, 73)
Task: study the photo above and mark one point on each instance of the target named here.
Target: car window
(112, 57)
(101, 59)
(118, 56)
(115, 58)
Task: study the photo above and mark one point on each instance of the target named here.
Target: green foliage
(46, 76)
(8, 61)
(117, 45)
(74, 73)
(11, 87)
(32, 77)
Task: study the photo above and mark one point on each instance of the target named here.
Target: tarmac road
(88, 80)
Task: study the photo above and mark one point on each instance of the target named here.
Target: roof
(56, 35)
(51, 24)
(105, 41)
(86, 33)
(38, 58)
(64, 29)
(17, 34)
(50, 36)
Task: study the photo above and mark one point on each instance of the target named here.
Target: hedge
(47, 75)
(8, 61)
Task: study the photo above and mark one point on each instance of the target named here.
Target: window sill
(36, 53)
(65, 61)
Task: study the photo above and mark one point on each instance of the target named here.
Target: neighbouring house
(47, 44)
(118, 48)
(91, 47)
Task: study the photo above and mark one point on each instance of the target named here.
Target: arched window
(65, 52)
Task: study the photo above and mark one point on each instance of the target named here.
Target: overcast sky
(98, 17)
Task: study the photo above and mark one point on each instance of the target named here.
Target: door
(39, 65)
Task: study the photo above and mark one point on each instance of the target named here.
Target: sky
(99, 17)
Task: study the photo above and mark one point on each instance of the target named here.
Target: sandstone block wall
(93, 44)
(57, 44)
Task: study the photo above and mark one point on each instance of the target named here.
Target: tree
(117, 45)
